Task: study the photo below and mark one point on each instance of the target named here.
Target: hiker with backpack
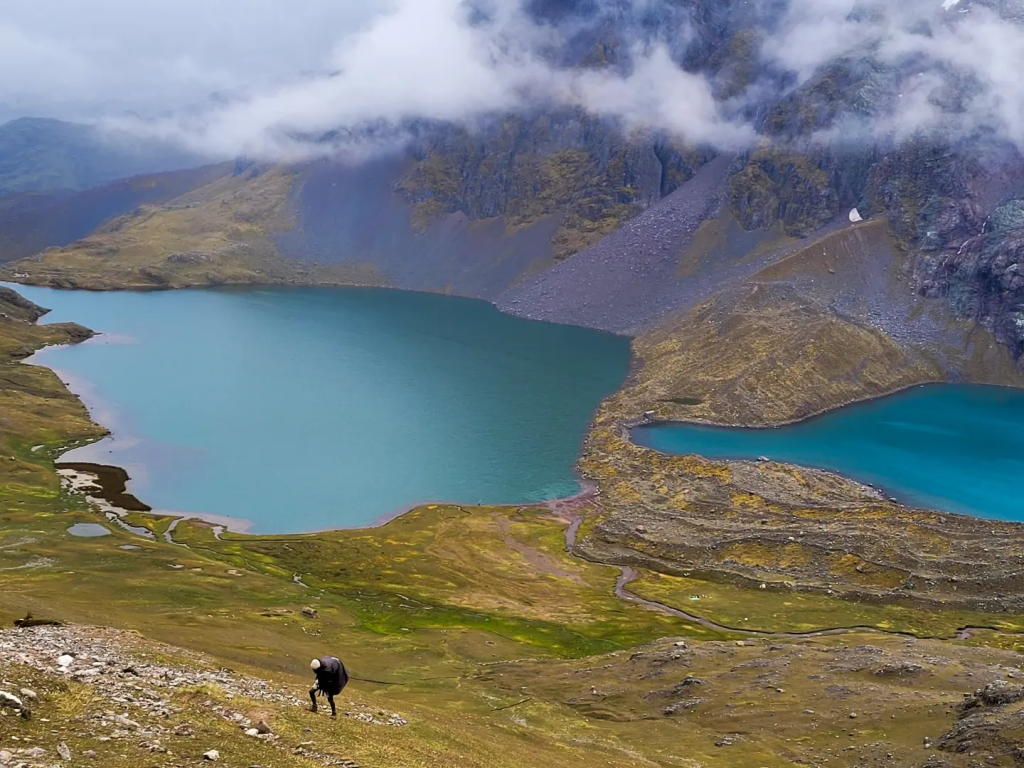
(331, 679)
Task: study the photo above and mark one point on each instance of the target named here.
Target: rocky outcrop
(16, 307)
(571, 165)
(983, 279)
(990, 722)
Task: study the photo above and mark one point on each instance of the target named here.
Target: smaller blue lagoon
(88, 530)
(956, 448)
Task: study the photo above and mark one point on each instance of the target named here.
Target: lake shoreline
(113, 484)
(113, 476)
(845, 518)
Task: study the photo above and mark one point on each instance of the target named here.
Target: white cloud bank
(964, 47)
(290, 70)
(427, 59)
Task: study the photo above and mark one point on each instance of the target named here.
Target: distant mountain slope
(33, 221)
(206, 226)
(41, 154)
(450, 215)
(563, 215)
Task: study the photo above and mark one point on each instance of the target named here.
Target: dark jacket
(332, 677)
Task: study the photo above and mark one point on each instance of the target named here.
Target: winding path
(573, 508)
(627, 575)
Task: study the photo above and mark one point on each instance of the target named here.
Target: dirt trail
(627, 575)
(573, 511)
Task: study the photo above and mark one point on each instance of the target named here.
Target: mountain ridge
(48, 155)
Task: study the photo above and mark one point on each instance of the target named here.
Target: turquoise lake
(314, 408)
(957, 448)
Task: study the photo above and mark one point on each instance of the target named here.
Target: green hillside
(41, 155)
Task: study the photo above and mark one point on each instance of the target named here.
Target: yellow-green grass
(218, 233)
(446, 726)
(502, 570)
(780, 608)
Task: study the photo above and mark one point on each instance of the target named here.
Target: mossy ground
(778, 608)
(434, 613)
(219, 233)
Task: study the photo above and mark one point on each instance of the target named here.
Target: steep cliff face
(583, 170)
(983, 278)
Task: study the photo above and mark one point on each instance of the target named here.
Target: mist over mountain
(43, 155)
(707, 72)
(555, 122)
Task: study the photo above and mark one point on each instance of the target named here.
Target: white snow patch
(855, 214)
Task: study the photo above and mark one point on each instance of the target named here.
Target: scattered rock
(213, 755)
(682, 706)
(997, 694)
(900, 669)
(10, 701)
(188, 257)
(123, 720)
(63, 751)
(310, 613)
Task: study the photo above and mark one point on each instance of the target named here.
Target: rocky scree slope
(142, 699)
(528, 210)
(79, 694)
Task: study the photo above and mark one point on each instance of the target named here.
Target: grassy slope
(220, 232)
(440, 603)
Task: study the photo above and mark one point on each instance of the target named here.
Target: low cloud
(284, 76)
(951, 66)
(437, 60)
(76, 60)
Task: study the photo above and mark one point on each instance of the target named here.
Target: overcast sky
(79, 58)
